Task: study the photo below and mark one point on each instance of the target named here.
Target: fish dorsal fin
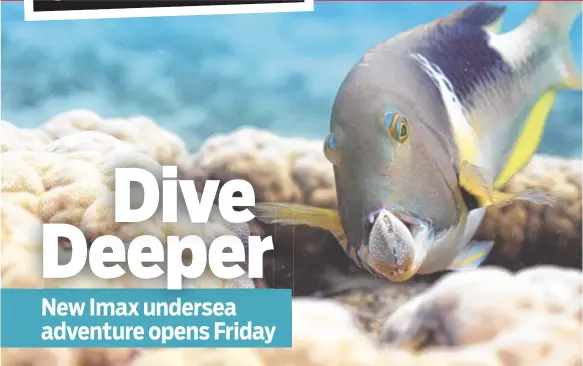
(481, 14)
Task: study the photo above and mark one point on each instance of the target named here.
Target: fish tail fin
(558, 14)
(561, 16)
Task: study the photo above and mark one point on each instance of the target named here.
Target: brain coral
(70, 180)
(144, 134)
(532, 317)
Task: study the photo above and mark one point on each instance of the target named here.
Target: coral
(527, 234)
(295, 170)
(486, 317)
(71, 181)
(38, 357)
(324, 333)
(280, 169)
(14, 138)
(143, 133)
(68, 356)
(372, 300)
(529, 318)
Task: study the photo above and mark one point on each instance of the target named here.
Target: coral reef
(62, 172)
(14, 138)
(143, 133)
(70, 180)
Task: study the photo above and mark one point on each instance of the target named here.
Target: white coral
(527, 318)
(71, 180)
(280, 169)
(144, 134)
(14, 138)
(325, 333)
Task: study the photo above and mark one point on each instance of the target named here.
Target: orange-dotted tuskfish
(428, 126)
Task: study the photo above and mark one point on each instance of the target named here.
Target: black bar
(63, 5)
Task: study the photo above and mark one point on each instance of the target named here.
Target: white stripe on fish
(465, 134)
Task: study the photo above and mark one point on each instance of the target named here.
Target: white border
(31, 15)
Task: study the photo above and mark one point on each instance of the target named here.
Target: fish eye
(397, 126)
(330, 144)
(330, 150)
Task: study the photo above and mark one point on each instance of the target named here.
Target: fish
(425, 130)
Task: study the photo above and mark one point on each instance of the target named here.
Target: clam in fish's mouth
(395, 270)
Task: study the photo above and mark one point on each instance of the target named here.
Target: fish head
(393, 168)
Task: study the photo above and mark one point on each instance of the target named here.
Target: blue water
(211, 74)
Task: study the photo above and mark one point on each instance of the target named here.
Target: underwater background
(203, 75)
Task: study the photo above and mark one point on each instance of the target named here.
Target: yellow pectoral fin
(472, 179)
(529, 139)
(298, 214)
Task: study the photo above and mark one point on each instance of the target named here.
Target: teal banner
(142, 318)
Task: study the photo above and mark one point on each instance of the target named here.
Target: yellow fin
(298, 214)
(529, 139)
(472, 255)
(473, 179)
